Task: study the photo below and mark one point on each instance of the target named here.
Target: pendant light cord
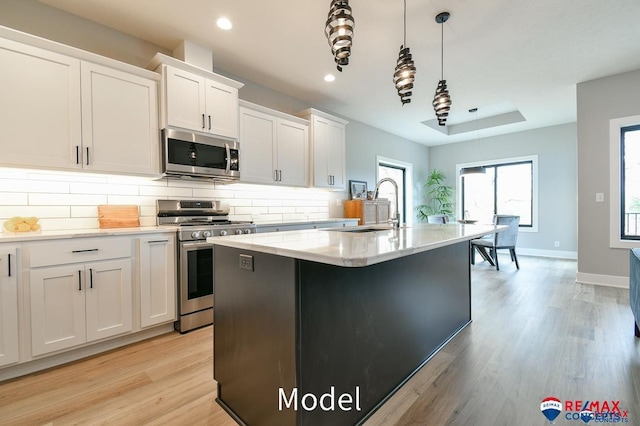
(442, 51)
(405, 23)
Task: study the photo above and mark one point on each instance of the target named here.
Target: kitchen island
(321, 327)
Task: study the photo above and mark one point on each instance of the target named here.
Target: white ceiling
(499, 55)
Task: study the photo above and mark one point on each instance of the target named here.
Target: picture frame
(358, 189)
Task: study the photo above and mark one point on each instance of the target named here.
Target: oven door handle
(197, 244)
(228, 168)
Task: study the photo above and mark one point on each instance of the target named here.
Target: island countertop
(357, 246)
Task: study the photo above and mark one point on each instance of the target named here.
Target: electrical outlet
(599, 197)
(338, 202)
(246, 262)
(556, 244)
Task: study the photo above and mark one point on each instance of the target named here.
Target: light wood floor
(535, 333)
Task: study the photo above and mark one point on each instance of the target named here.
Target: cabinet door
(40, 108)
(57, 308)
(221, 109)
(320, 140)
(157, 279)
(119, 121)
(336, 154)
(185, 99)
(258, 143)
(293, 153)
(109, 295)
(9, 352)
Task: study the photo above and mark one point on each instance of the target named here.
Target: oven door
(196, 277)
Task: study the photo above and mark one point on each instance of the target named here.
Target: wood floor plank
(535, 333)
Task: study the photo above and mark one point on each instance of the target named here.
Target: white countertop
(6, 237)
(356, 249)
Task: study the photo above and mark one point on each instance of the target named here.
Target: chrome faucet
(396, 221)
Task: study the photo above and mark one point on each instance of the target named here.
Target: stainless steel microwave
(194, 155)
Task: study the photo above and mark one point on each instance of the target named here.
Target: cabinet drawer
(78, 250)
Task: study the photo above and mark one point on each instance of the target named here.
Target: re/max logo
(326, 401)
(594, 406)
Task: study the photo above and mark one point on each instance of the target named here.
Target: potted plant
(439, 196)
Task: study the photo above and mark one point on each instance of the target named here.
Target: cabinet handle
(87, 156)
(275, 175)
(79, 281)
(202, 121)
(9, 261)
(157, 241)
(91, 277)
(279, 175)
(209, 122)
(77, 154)
(83, 251)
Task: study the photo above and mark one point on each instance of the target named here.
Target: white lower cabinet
(79, 291)
(156, 256)
(9, 348)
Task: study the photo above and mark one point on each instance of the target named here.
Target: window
(630, 177)
(504, 188)
(401, 172)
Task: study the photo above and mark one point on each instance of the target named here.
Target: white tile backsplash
(68, 200)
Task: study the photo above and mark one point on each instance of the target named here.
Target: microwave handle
(228, 169)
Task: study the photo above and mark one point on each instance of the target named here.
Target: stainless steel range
(197, 220)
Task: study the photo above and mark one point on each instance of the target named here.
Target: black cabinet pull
(203, 121)
(157, 241)
(77, 154)
(209, 122)
(87, 156)
(79, 281)
(9, 265)
(91, 277)
(83, 251)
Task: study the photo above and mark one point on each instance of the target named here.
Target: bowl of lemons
(22, 224)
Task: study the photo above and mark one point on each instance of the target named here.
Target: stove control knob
(195, 235)
(247, 231)
(223, 233)
(238, 231)
(206, 234)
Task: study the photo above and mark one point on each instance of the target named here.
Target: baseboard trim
(558, 254)
(603, 280)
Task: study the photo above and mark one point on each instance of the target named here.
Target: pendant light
(339, 31)
(405, 72)
(474, 169)
(442, 100)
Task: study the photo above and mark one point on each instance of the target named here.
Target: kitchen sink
(361, 229)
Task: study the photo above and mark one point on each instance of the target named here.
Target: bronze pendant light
(339, 31)
(442, 100)
(405, 72)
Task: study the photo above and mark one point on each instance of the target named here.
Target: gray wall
(599, 101)
(556, 150)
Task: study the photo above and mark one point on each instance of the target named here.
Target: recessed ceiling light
(329, 77)
(224, 24)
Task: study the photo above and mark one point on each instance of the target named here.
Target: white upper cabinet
(40, 109)
(196, 99)
(119, 121)
(327, 149)
(64, 112)
(275, 147)
(9, 352)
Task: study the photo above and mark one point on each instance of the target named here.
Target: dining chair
(437, 218)
(505, 239)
